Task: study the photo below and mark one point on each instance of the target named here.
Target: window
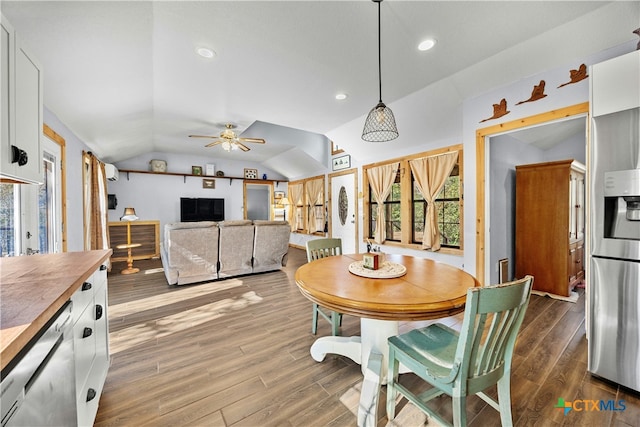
(448, 211)
(393, 223)
(406, 207)
(9, 219)
(309, 201)
(47, 207)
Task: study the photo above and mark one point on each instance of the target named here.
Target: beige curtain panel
(430, 174)
(295, 198)
(96, 214)
(314, 196)
(381, 179)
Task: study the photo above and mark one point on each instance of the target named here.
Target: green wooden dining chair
(322, 248)
(464, 363)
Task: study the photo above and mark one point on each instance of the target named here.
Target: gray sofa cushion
(271, 245)
(236, 248)
(191, 252)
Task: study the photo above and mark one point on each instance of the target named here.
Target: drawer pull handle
(91, 394)
(99, 311)
(86, 286)
(87, 332)
(103, 267)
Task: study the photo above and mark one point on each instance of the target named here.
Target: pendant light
(380, 125)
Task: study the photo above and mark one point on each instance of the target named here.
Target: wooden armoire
(550, 225)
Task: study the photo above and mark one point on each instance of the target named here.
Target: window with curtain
(309, 210)
(407, 209)
(448, 210)
(392, 210)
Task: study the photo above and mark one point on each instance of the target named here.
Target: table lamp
(129, 215)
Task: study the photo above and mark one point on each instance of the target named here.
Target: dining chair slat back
(464, 363)
(317, 249)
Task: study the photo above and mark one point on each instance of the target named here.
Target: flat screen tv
(198, 209)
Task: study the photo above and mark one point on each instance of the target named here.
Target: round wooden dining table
(427, 290)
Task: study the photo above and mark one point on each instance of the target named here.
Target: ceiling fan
(229, 140)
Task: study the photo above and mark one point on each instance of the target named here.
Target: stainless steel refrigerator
(614, 288)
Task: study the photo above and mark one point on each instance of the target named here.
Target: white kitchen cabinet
(21, 104)
(91, 345)
(615, 84)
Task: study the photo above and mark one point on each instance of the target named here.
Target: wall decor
(196, 170)
(576, 75)
(219, 173)
(342, 162)
(536, 94)
(343, 205)
(278, 196)
(499, 110)
(159, 166)
(250, 173)
(210, 169)
(637, 32)
(208, 183)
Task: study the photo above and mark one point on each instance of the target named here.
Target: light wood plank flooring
(236, 353)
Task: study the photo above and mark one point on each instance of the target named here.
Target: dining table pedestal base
(370, 351)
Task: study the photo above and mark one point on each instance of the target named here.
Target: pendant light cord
(379, 56)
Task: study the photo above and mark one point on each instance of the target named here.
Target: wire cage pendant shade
(380, 125)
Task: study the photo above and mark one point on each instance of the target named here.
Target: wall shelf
(185, 175)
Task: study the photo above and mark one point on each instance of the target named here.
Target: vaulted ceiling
(126, 79)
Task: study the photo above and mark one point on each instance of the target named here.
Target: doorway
(258, 200)
(485, 263)
(343, 191)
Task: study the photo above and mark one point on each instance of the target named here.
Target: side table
(128, 247)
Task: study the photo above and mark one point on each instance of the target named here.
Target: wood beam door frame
(481, 142)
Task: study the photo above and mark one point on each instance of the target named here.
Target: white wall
(74, 148)
(157, 196)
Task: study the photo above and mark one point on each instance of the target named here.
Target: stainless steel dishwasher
(38, 389)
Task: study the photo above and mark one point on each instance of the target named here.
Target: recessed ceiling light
(426, 44)
(205, 52)
(341, 96)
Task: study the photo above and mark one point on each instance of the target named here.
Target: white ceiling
(124, 76)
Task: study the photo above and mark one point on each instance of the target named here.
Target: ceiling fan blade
(214, 143)
(254, 140)
(203, 136)
(242, 146)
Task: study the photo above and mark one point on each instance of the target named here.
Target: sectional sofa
(194, 252)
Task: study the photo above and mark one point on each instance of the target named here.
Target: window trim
(406, 208)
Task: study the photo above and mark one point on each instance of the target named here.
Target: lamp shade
(129, 215)
(380, 125)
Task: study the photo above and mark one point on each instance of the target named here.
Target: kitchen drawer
(99, 278)
(84, 341)
(102, 330)
(87, 403)
(82, 298)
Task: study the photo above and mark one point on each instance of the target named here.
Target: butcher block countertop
(33, 288)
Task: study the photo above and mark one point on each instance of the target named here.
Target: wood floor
(236, 353)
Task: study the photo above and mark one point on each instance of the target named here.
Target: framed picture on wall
(342, 162)
(250, 173)
(196, 170)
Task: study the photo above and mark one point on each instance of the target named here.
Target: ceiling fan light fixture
(380, 125)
